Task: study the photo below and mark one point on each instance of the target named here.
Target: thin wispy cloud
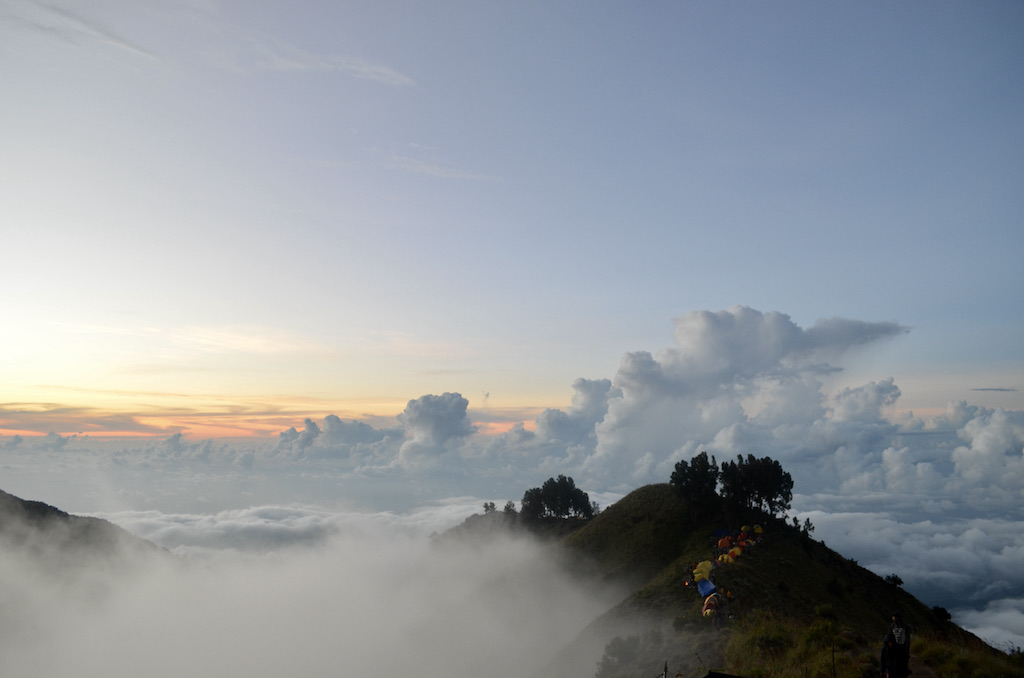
(48, 418)
(278, 55)
(68, 26)
(393, 342)
(242, 339)
(208, 339)
(416, 166)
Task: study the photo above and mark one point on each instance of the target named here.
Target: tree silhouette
(557, 498)
(757, 484)
(696, 481)
(532, 505)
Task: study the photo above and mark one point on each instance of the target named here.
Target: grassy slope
(797, 607)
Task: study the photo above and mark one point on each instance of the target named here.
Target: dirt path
(919, 669)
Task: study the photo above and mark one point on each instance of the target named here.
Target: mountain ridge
(61, 544)
(794, 606)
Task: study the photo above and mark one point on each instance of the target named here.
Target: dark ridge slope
(59, 541)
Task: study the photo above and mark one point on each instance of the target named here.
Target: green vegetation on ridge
(795, 607)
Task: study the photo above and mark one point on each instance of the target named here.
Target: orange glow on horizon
(493, 428)
(19, 432)
(223, 417)
(201, 430)
(199, 426)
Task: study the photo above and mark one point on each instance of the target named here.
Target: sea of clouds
(278, 591)
(937, 500)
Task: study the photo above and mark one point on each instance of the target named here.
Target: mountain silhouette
(60, 544)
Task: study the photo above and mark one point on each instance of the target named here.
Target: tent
(705, 588)
(711, 603)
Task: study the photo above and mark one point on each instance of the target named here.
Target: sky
(381, 257)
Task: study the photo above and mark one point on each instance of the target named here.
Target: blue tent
(705, 588)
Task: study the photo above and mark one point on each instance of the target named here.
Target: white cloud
(589, 406)
(1000, 622)
(970, 567)
(697, 392)
(865, 403)
(433, 423)
(365, 599)
(994, 454)
(300, 441)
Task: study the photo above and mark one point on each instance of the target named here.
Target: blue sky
(358, 204)
(463, 247)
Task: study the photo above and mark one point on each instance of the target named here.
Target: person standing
(896, 649)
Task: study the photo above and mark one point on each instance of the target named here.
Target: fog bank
(351, 603)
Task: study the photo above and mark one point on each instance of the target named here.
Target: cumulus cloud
(704, 391)
(341, 432)
(433, 424)
(577, 424)
(1000, 622)
(972, 567)
(54, 441)
(994, 454)
(300, 441)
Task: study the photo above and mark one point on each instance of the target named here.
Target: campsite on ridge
(782, 603)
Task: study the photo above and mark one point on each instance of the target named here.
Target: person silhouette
(895, 657)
